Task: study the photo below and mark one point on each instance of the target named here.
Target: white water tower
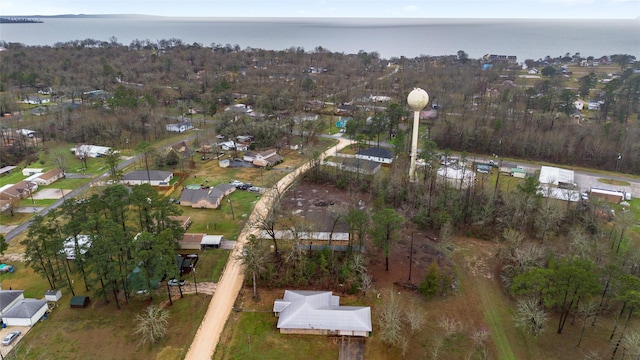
(416, 100)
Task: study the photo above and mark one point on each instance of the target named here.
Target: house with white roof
(179, 127)
(232, 145)
(31, 171)
(320, 313)
(556, 176)
(92, 151)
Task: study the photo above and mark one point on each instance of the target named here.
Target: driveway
(351, 348)
(208, 335)
(5, 350)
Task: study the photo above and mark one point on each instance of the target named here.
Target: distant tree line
(149, 84)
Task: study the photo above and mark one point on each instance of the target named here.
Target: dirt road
(208, 335)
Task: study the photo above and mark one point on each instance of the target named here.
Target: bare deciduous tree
(547, 218)
(152, 324)
(254, 257)
(415, 317)
(449, 326)
(390, 319)
(436, 347)
(631, 344)
(530, 316)
(366, 282)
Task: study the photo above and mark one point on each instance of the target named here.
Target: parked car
(254, 189)
(11, 337)
(4, 268)
(175, 282)
(236, 183)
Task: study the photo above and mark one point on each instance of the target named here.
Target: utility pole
(195, 282)
(229, 201)
(411, 257)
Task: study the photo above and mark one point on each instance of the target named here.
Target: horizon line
(328, 17)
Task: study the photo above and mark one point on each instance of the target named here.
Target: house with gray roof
(26, 312)
(377, 154)
(153, 177)
(205, 198)
(320, 313)
(8, 298)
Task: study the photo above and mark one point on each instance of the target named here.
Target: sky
(543, 9)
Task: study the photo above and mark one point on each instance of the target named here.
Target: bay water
(524, 38)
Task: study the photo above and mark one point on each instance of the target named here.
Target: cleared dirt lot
(44, 194)
(316, 202)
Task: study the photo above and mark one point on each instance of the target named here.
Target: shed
(78, 302)
(31, 171)
(26, 312)
(518, 173)
(53, 295)
(610, 196)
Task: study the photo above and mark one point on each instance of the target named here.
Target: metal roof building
(319, 312)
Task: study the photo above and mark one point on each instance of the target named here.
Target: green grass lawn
(24, 278)
(210, 264)
(255, 337)
(101, 331)
(614, 182)
(16, 219)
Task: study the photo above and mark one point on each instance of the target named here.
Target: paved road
(208, 335)
(76, 192)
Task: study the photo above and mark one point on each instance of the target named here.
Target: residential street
(208, 335)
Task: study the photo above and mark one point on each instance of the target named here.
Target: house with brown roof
(249, 156)
(181, 149)
(49, 177)
(20, 190)
(267, 157)
(191, 241)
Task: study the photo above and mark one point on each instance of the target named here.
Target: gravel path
(208, 335)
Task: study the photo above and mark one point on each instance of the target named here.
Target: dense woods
(124, 230)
